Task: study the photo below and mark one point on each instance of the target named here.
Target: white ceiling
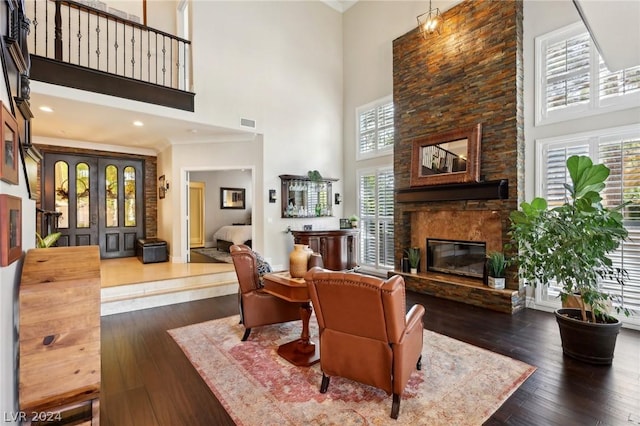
(95, 121)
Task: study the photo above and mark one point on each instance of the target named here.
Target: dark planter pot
(593, 343)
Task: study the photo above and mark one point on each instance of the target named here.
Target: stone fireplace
(469, 74)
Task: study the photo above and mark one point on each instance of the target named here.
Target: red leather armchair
(366, 334)
(257, 307)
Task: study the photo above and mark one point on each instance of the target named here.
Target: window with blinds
(375, 128)
(573, 80)
(375, 208)
(618, 149)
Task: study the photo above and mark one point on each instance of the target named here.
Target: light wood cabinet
(59, 331)
(338, 247)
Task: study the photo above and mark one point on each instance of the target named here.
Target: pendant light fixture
(429, 22)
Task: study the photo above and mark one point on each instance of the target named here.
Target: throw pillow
(262, 266)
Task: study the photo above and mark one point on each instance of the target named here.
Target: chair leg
(419, 363)
(325, 383)
(246, 334)
(395, 407)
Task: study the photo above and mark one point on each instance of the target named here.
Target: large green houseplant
(568, 245)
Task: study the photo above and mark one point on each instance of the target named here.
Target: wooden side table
(302, 352)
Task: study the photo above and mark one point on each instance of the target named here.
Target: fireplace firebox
(465, 258)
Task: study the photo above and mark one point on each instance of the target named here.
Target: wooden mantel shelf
(488, 190)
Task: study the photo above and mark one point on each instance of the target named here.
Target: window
(618, 149)
(375, 208)
(573, 81)
(375, 133)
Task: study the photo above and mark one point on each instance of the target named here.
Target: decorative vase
(298, 260)
(414, 270)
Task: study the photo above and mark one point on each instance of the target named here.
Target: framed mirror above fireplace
(446, 158)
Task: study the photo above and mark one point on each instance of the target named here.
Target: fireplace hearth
(463, 258)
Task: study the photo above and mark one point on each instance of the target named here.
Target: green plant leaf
(585, 175)
(47, 241)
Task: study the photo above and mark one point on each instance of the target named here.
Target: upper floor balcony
(83, 46)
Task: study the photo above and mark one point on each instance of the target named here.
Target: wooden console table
(302, 352)
(338, 247)
(59, 333)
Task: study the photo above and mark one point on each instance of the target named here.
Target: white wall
(280, 64)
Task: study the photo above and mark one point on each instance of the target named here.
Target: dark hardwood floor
(147, 380)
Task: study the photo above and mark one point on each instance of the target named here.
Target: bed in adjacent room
(228, 235)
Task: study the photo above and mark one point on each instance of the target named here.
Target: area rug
(459, 384)
(214, 253)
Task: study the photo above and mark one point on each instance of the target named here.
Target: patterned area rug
(214, 253)
(459, 384)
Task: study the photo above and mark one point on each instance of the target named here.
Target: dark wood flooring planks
(147, 380)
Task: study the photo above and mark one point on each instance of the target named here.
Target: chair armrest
(414, 317)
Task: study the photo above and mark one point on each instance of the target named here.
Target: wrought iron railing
(78, 34)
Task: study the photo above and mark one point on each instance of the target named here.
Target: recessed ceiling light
(138, 123)
(45, 108)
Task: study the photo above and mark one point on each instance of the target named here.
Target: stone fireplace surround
(472, 72)
(465, 225)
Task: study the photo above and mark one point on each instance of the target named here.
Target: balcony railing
(84, 36)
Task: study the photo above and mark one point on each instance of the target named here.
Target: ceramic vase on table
(298, 260)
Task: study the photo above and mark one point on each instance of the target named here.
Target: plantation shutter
(368, 233)
(375, 128)
(376, 219)
(623, 185)
(385, 219)
(568, 72)
(367, 128)
(385, 126)
(612, 84)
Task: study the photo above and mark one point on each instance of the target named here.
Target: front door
(99, 198)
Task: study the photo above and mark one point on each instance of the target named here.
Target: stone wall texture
(470, 73)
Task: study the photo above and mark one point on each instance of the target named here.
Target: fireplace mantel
(489, 190)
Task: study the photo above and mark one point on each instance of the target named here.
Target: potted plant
(568, 245)
(413, 254)
(354, 220)
(47, 241)
(496, 268)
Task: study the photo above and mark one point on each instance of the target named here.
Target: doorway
(100, 201)
(196, 214)
(214, 215)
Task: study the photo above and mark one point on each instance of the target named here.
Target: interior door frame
(184, 203)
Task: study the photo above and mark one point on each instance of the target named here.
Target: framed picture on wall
(11, 229)
(9, 152)
(232, 198)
